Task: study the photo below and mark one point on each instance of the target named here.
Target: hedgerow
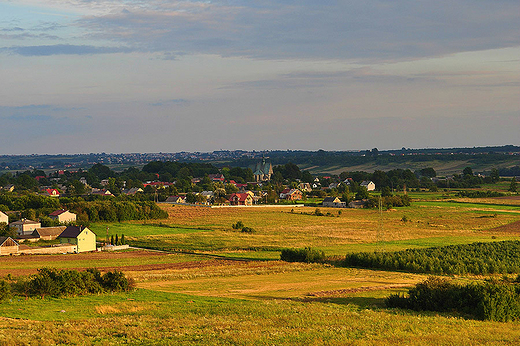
(489, 300)
(477, 258)
(70, 283)
(306, 255)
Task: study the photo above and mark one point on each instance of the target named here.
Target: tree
(362, 193)
(512, 186)
(386, 192)
(495, 176)
(467, 171)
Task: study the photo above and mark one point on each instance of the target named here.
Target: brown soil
(510, 228)
(94, 256)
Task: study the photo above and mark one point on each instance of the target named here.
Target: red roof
(52, 191)
(242, 197)
(57, 212)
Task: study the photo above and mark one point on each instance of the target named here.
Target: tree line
(477, 258)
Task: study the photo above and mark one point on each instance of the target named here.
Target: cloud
(369, 29)
(173, 102)
(335, 29)
(63, 49)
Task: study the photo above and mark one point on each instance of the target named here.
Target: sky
(121, 76)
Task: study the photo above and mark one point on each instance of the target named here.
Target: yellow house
(81, 236)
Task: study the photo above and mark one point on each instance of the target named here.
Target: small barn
(48, 233)
(81, 236)
(8, 246)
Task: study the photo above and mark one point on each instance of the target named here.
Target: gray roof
(72, 231)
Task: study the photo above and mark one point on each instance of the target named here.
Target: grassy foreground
(151, 318)
(205, 299)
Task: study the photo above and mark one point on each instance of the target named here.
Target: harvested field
(138, 260)
(510, 228)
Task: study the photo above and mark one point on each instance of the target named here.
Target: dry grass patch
(278, 280)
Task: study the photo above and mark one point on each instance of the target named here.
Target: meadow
(213, 285)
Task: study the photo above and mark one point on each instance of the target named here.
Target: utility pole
(380, 226)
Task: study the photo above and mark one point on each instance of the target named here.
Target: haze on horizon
(121, 76)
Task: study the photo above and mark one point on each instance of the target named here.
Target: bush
(489, 300)
(5, 290)
(238, 225)
(116, 281)
(247, 230)
(306, 255)
(70, 283)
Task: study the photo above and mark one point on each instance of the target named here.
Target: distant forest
(505, 158)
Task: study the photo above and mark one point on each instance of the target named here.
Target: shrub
(247, 230)
(5, 290)
(306, 255)
(70, 283)
(238, 225)
(116, 281)
(489, 300)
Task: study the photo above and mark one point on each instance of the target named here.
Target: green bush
(5, 290)
(70, 283)
(306, 255)
(238, 225)
(247, 230)
(490, 300)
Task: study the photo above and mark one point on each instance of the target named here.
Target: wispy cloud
(63, 49)
(173, 102)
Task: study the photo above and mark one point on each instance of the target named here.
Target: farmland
(212, 284)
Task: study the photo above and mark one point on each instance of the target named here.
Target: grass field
(218, 286)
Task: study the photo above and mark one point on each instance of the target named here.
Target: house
(369, 185)
(176, 199)
(132, 191)
(101, 192)
(333, 202)
(51, 192)
(8, 246)
(48, 233)
(158, 184)
(357, 204)
(241, 199)
(63, 216)
(305, 187)
(291, 194)
(81, 236)
(24, 226)
(216, 178)
(4, 218)
(9, 188)
(262, 170)
(209, 195)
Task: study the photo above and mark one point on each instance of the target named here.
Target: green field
(214, 285)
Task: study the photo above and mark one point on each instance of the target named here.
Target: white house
(369, 185)
(24, 226)
(4, 218)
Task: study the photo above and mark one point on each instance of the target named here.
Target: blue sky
(146, 76)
